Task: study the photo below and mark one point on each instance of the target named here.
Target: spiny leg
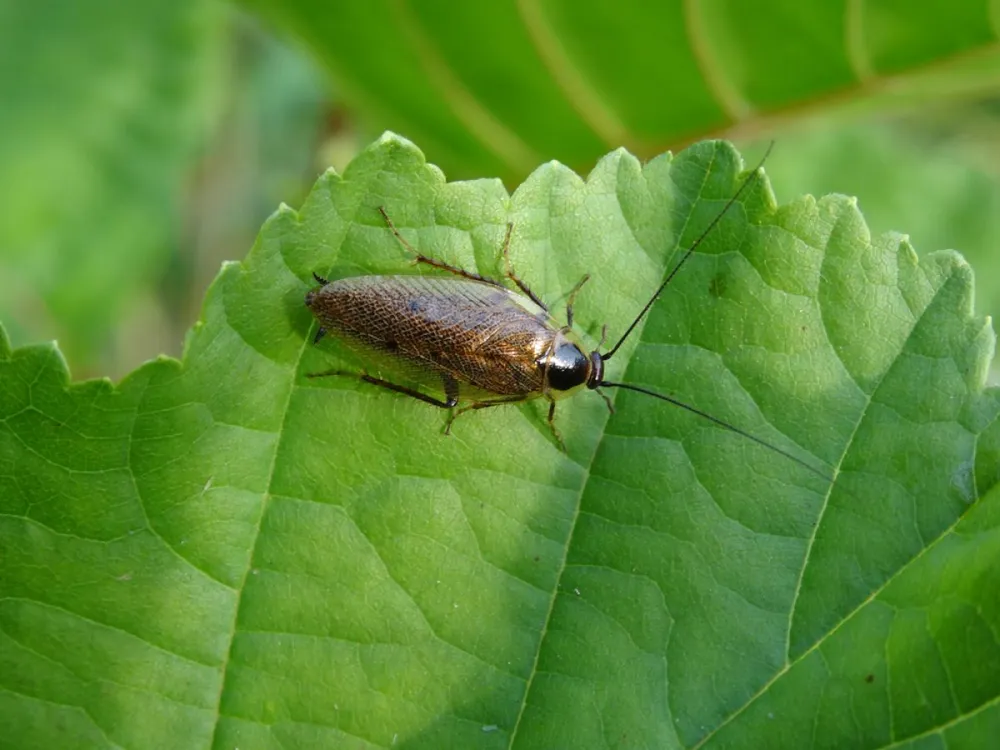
(572, 297)
(446, 404)
(434, 262)
(552, 426)
(513, 276)
(450, 388)
(481, 405)
(602, 394)
(502, 402)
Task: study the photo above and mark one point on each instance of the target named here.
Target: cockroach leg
(434, 262)
(572, 297)
(457, 271)
(330, 373)
(552, 426)
(450, 388)
(319, 279)
(389, 386)
(392, 228)
(480, 405)
(476, 405)
(602, 394)
(513, 276)
(320, 333)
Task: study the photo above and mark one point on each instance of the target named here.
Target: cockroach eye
(568, 367)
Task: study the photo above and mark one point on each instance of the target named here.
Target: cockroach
(479, 342)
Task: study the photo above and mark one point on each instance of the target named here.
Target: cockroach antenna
(694, 246)
(599, 381)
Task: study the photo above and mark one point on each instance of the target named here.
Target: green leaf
(856, 161)
(496, 88)
(224, 552)
(103, 107)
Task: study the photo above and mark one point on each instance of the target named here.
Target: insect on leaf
(225, 552)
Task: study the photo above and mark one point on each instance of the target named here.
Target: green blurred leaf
(496, 88)
(224, 552)
(103, 105)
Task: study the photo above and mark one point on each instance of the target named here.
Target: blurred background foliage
(143, 144)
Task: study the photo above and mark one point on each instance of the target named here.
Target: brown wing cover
(477, 334)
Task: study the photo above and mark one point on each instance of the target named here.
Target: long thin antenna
(694, 246)
(710, 418)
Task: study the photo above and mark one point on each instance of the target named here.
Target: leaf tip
(393, 142)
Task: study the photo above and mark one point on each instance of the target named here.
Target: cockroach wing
(434, 331)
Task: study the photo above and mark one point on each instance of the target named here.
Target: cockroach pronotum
(479, 343)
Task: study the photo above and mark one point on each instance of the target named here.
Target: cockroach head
(311, 294)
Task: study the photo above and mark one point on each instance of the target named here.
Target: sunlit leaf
(223, 552)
